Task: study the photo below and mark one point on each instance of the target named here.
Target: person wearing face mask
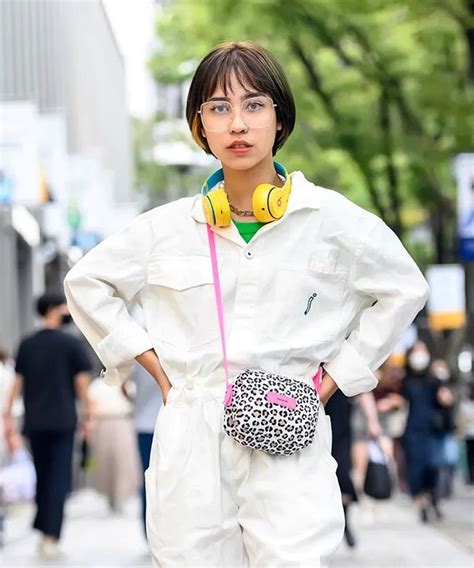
(422, 440)
(445, 425)
(52, 371)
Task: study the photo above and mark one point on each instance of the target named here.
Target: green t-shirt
(248, 230)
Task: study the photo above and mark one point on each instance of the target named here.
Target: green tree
(150, 177)
(383, 93)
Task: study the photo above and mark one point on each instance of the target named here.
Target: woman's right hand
(150, 362)
(165, 394)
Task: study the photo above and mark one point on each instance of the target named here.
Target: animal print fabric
(253, 421)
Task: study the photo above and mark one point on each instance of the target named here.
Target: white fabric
(376, 454)
(108, 401)
(18, 478)
(368, 289)
(213, 503)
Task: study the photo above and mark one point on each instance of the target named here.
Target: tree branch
(315, 84)
(391, 171)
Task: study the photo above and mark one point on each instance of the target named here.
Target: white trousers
(214, 503)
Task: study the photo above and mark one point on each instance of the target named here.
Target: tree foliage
(382, 89)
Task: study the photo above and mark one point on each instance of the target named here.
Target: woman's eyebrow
(242, 98)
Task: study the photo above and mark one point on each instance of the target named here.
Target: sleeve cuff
(121, 346)
(116, 377)
(350, 372)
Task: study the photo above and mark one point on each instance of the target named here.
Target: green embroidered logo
(310, 302)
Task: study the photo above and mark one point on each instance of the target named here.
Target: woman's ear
(279, 126)
(203, 134)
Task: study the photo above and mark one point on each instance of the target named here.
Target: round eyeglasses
(256, 112)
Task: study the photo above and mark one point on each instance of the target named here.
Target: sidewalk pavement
(388, 535)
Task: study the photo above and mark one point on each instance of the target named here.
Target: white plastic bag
(18, 478)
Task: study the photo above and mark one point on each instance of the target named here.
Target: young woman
(428, 400)
(317, 279)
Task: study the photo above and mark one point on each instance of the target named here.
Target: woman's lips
(239, 148)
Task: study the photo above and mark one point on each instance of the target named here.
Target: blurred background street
(94, 538)
(93, 133)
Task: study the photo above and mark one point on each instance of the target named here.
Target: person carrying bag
(240, 471)
(378, 482)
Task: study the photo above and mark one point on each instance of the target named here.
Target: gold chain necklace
(238, 212)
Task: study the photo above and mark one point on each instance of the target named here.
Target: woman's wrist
(328, 388)
(150, 362)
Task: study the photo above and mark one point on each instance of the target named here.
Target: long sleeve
(98, 289)
(384, 272)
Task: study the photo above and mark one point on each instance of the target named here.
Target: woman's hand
(165, 394)
(328, 388)
(150, 362)
(445, 396)
(9, 430)
(374, 428)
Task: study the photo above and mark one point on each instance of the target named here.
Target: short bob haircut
(254, 67)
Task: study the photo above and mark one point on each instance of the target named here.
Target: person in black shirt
(51, 372)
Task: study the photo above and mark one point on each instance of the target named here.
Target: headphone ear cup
(216, 208)
(269, 202)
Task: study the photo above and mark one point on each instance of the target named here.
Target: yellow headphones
(268, 201)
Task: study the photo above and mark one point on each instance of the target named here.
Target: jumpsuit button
(249, 254)
(190, 386)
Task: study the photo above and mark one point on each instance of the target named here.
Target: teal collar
(218, 176)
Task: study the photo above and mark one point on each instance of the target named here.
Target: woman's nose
(237, 123)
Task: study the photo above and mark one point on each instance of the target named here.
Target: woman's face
(420, 358)
(257, 143)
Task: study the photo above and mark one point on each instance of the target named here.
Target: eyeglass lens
(256, 112)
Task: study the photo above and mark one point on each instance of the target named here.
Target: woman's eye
(254, 105)
(220, 108)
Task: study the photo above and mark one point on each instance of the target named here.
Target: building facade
(66, 160)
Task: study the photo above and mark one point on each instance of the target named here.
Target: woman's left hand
(328, 388)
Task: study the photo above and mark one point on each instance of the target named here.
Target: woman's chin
(240, 163)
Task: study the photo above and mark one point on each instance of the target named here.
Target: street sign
(464, 173)
(447, 301)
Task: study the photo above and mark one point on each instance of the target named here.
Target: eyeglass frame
(274, 105)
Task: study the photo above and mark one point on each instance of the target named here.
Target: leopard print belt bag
(270, 412)
(266, 411)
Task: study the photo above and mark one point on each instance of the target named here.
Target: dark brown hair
(253, 66)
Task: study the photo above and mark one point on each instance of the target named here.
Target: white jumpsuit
(212, 502)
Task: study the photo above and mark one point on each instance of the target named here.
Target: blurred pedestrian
(7, 378)
(365, 427)
(392, 410)
(466, 423)
(340, 408)
(114, 450)
(51, 373)
(422, 439)
(323, 280)
(445, 423)
(147, 400)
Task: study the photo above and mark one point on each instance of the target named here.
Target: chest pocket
(183, 293)
(308, 303)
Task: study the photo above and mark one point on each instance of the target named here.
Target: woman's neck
(240, 184)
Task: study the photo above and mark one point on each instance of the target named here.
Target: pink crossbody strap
(220, 314)
(218, 294)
